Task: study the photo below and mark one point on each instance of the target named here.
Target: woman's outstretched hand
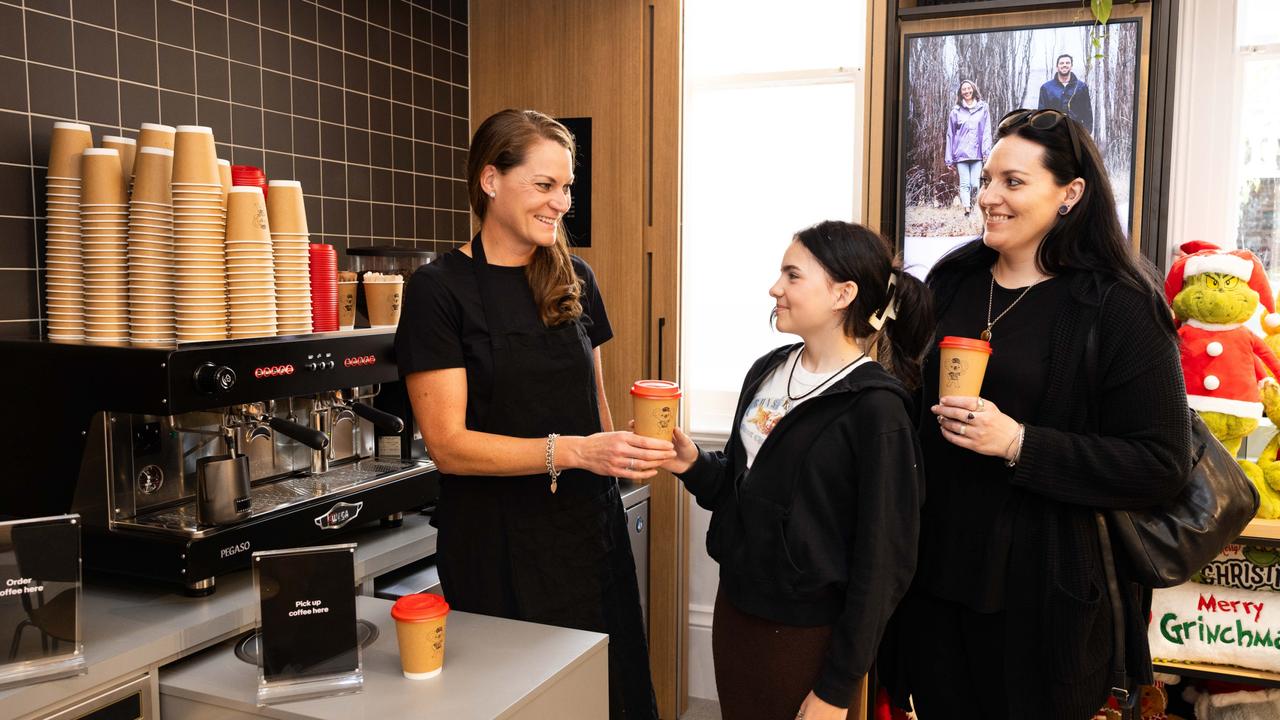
(686, 454)
(622, 454)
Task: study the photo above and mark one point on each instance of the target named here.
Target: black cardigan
(1124, 444)
(823, 529)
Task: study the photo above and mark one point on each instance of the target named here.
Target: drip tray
(247, 646)
(280, 494)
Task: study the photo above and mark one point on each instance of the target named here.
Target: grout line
(260, 25)
(35, 226)
(115, 36)
(228, 60)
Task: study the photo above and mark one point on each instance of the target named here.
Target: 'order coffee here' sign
(1213, 624)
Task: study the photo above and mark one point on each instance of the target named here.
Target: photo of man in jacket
(1068, 94)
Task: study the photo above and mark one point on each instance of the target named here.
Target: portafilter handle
(384, 421)
(313, 439)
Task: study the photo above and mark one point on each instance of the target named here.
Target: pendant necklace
(986, 334)
(786, 404)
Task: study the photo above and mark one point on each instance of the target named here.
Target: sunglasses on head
(1042, 120)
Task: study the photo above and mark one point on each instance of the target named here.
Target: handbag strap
(1119, 670)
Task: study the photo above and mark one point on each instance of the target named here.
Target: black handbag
(1166, 545)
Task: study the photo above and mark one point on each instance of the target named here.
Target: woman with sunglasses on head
(815, 501)
(1009, 615)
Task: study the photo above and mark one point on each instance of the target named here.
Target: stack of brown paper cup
(287, 218)
(128, 149)
(224, 178)
(151, 270)
(104, 222)
(199, 237)
(65, 276)
(156, 135)
(250, 269)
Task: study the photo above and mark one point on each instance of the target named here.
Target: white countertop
(492, 668)
(129, 626)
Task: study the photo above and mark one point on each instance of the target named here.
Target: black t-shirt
(443, 322)
(969, 504)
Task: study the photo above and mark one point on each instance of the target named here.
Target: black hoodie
(822, 530)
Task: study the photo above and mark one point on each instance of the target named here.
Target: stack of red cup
(324, 288)
(249, 175)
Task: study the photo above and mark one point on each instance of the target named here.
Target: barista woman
(499, 348)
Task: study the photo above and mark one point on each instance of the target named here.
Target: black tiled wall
(365, 101)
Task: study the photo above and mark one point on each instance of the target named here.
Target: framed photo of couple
(960, 75)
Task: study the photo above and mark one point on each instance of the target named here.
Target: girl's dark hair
(853, 253)
(1089, 238)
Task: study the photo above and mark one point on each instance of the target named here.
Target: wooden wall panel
(669, 529)
(617, 62)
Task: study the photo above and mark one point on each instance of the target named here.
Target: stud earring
(1063, 209)
(493, 194)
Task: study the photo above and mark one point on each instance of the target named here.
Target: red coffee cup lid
(419, 608)
(964, 343)
(655, 389)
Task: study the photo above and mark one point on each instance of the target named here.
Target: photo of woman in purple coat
(968, 140)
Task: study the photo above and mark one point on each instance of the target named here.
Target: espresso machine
(183, 461)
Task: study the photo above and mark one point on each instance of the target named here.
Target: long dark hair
(852, 253)
(1089, 238)
(503, 140)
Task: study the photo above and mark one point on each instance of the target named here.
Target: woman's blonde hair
(503, 140)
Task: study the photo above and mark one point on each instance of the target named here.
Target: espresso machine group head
(183, 461)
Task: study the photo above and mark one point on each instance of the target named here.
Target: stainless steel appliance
(122, 435)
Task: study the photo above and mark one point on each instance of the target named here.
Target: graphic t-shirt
(770, 403)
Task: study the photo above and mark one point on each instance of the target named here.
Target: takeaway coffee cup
(347, 304)
(382, 296)
(420, 621)
(656, 407)
(962, 363)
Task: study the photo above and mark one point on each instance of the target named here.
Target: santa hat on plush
(1205, 257)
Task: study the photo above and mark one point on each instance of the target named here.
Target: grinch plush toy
(1224, 363)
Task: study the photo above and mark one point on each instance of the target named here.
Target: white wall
(1203, 188)
(704, 578)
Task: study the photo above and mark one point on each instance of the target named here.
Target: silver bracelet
(551, 460)
(1017, 454)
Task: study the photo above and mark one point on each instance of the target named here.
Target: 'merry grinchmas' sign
(1213, 624)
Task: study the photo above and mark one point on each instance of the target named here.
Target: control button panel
(319, 362)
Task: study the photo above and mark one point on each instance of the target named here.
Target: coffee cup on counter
(347, 304)
(656, 407)
(962, 365)
(420, 631)
(383, 296)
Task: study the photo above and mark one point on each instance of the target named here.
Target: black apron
(507, 546)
